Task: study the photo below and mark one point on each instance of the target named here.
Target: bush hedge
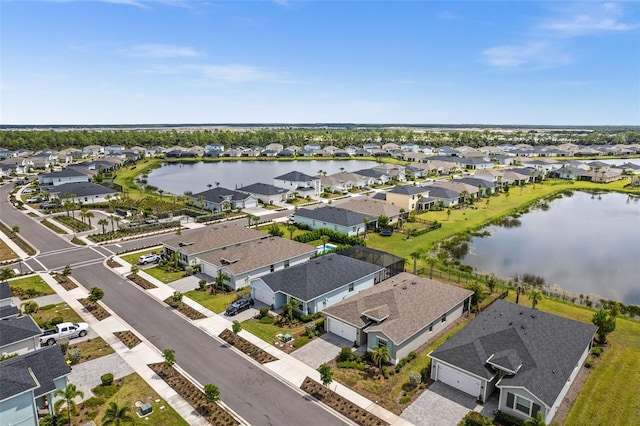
(507, 419)
(335, 237)
(351, 364)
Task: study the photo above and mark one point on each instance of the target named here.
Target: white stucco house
(300, 183)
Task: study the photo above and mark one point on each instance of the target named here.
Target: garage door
(265, 297)
(341, 329)
(250, 204)
(458, 380)
(209, 269)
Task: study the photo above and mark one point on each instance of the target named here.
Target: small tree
(6, 273)
(67, 396)
(326, 374)
(236, 327)
(66, 271)
(169, 356)
(415, 378)
(30, 307)
(74, 355)
(115, 415)
(325, 240)
(202, 284)
(103, 223)
(535, 295)
(15, 229)
(63, 344)
(291, 229)
(177, 296)
(134, 269)
(211, 393)
(95, 294)
(380, 355)
(275, 231)
(606, 323)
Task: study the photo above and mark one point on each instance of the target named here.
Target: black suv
(239, 306)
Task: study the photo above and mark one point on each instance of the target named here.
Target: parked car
(148, 258)
(28, 191)
(239, 306)
(65, 330)
(33, 200)
(47, 206)
(387, 232)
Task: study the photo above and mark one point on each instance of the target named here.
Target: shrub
(415, 378)
(385, 372)
(106, 391)
(597, 351)
(56, 321)
(412, 355)
(588, 363)
(93, 402)
(188, 270)
(473, 418)
(177, 296)
(351, 364)
(267, 320)
(425, 373)
(345, 355)
(30, 307)
(64, 345)
(74, 355)
(107, 379)
(264, 311)
(507, 420)
(202, 284)
(405, 399)
(301, 341)
(310, 329)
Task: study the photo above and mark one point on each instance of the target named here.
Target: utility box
(146, 409)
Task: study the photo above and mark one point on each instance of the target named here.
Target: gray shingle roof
(296, 177)
(217, 195)
(334, 215)
(47, 364)
(212, 238)
(69, 172)
(410, 302)
(262, 189)
(442, 193)
(370, 173)
(548, 347)
(5, 290)
(319, 276)
(409, 189)
(8, 311)
(17, 329)
(82, 189)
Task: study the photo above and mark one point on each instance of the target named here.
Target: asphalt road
(246, 388)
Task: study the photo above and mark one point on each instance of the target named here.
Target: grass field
(610, 395)
(92, 349)
(6, 253)
(268, 332)
(49, 312)
(33, 282)
(214, 302)
(163, 276)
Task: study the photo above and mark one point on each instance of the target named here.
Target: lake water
(177, 178)
(584, 244)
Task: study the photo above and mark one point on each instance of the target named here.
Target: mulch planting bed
(184, 309)
(65, 281)
(95, 309)
(247, 347)
(141, 281)
(211, 411)
(340, 404)
(129, 339)
(113, 264)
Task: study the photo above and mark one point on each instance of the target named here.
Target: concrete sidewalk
(287, 368)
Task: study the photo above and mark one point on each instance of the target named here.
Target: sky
(293, 61)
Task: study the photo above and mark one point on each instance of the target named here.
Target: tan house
(372, 207)
(406, 196)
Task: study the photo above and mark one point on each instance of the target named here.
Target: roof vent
(413, 283)
(521, 312)
(533, 315)
(523, 326)
(404, 287)
(511, 323)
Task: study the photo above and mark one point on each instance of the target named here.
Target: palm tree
(380, 355)
(209, 186)
(535, 295)
(431, 261)
(117, 219)
(538, 420)
(325, 240)
(89, 215)
(116, 416)
(67, 396)
(103, 223)
(83, 213)
(415, 255)
(291, 229)
(221, 278)
(365, 221)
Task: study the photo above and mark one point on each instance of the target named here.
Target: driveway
(443, 405)
(86, 375)
(320, 350)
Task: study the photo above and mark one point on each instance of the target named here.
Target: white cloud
(446, 15)
(532, 55)
(607, 17)
(159, 51)
(227, 73)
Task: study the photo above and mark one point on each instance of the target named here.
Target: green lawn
(214, 302)
(49, 312)
(166, 277)
(268, 332)
(92, 349)
(133, 258)
(5, 252)
(610, 395)
(33, 282)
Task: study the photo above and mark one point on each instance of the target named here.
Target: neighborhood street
(246, 388)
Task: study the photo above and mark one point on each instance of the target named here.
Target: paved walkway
(86, 376)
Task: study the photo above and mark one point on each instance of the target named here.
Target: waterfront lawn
(29, 287)
(6, 253)
(215, 302)
(610, 394)
(133, 258)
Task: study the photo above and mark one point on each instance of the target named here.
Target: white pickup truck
(65, 330)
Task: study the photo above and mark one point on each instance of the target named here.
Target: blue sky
(173, 61)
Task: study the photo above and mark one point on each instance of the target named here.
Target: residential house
(601, 176)
(277, 147)
(371, 148)
(439, 196)
(28, 383)
(378, 177)
(190, 247)
(299, 182)
(113, 150)
(213, 150)
(418, 157)
(316, 284)
(19, 335)
(5, 153)
(334, 218)
(70, 155)
(68, 175)
(255, 259)
(344, 181)
(466, 190)
(529, 357)
(406, 196)
(372, 207)
(629, 168)
(401, 313)
(484, 186)
(7, 309)
(566, 172)
(266, 193)
(476, 163)
(222, 199)
(394, 171)
(198, 151)
(84, 192)
(312, 147)
(93, 150)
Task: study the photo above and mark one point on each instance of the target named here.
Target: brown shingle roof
(411, 302)
(256, 254)
(371, 207)
(213, 237)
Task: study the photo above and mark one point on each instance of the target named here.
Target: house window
(382, 342)
(351, 287)
(444, 318)
(286, 263)
(523, 405)
(271, 268)
(430, 328)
